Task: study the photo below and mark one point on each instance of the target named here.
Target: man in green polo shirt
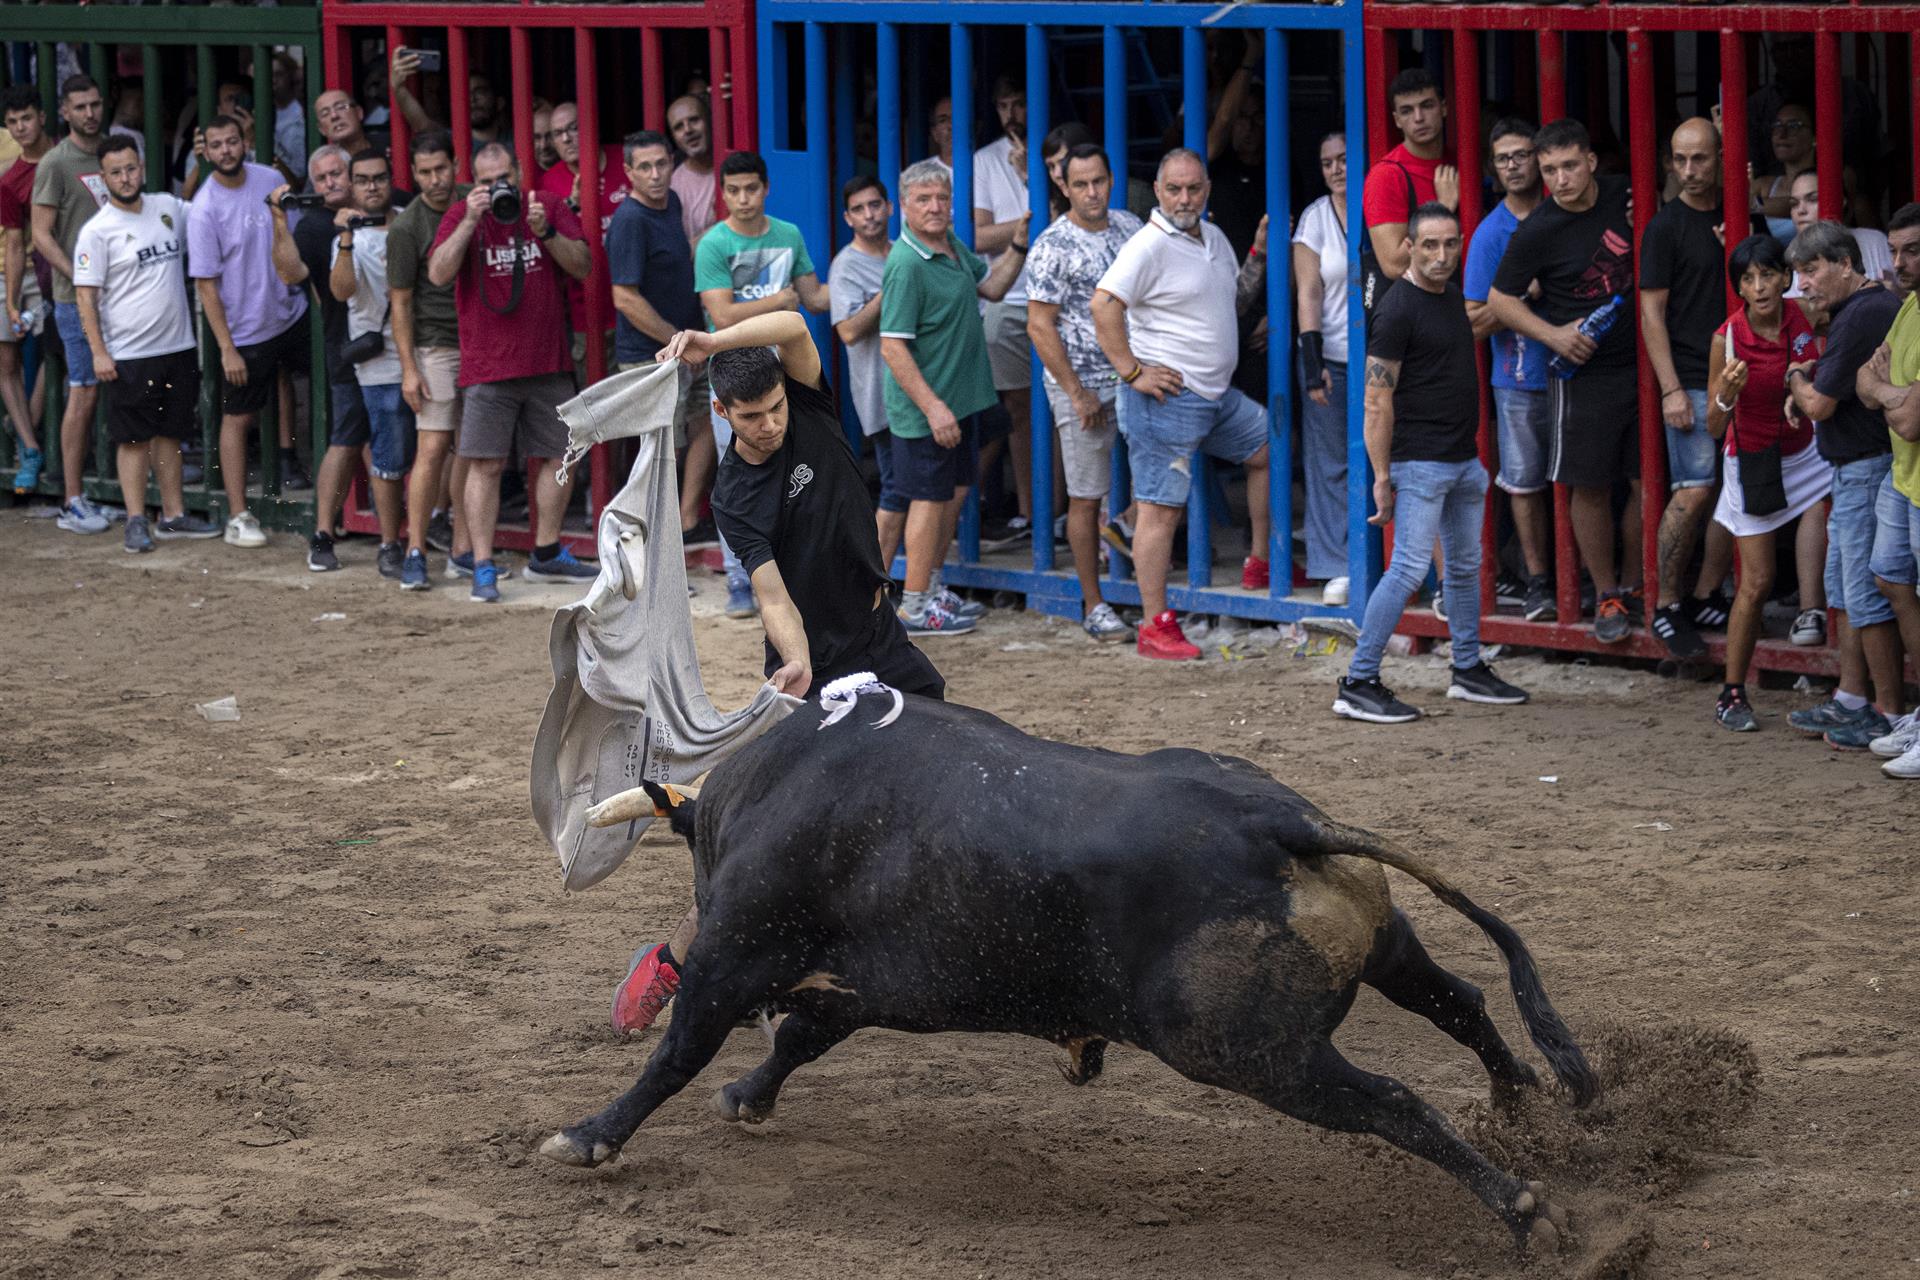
(937, 380)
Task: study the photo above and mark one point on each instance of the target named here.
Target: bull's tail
(1544, 1025)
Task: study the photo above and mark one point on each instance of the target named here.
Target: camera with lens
(357, 221)
(308, 200)
(503, 201)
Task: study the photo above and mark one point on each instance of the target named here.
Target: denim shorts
(390, 430)
(924, 471)
(1525, 423)
(1693, 457)
(1896, 538)
(1851, 530)
(66, 318)
(1162, 436)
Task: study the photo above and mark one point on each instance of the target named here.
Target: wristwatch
(1791, 373)
(547, 235)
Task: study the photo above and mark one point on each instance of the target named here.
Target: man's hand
(793, 679)
(343, 215)
(1803, 366)
(1260, 237)
(1879, 364)
(1382, 499)
(1087, 408)
(1322, 394)
(945, 427)
(1569, 343)
(274, 198)
(689, 346)
(1446, 186)
(200, 145)
(1676, 409)
(245, 117)
(413, 389)
(233, 367)
(1158, 381)
(537, 216)
(104, 369)
(13, 318)
(1257, 340)
(477, 201)
(405, 65)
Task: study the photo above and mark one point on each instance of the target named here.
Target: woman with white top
(1320, 258)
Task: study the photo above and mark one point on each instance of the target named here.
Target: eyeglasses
(371, 179)
(1513, 159)
(570, 131)
(1789, 126)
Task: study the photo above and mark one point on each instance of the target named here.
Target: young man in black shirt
(791, 503)
(789, 499)
(1682, 301)
(1580, 249)
(1423, 397)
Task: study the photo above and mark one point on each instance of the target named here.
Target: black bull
(948, 872)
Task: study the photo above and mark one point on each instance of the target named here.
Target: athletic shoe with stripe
(1371, 701)
(651, 981)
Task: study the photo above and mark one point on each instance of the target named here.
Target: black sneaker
(1676, 631)
(701, 535)
(1477, 683)
(1710, 613)
(1539, 605)
(440, 531)
(1011, 534)
(320, 557)
(1371, 701)
(292, 474)
(1611, 623)
(1118, 541)
(1734, 712)
(390, 558)
(1509, 590)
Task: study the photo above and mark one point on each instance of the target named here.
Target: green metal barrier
(162, 34)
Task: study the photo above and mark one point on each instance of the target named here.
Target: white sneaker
(243, 530)
(1104, 625)
(1809, 629)
(1335, 592)
(1902, 737)
(81, 516)
(1907, 766)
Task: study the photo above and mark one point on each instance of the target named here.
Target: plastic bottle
(1596, 327)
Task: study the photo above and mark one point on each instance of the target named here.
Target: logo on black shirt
(798, 480)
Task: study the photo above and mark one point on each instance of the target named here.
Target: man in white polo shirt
(1165, 314)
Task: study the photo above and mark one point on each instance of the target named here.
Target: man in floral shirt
(1068, 259)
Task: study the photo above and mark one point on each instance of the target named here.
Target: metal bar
(1039, 411)
(49, 79)
(1193, 115)
(1463, 94)
(819, 139)
(1566, 559)
(1828, 159)
(520, 62)
(1643, 150)
(593, 216)
(1890, 18)
(172, 25)
(1379, 58)
(960, 90)
(459, 103)
(1551, 50)
(845, 108)
(1279, 549)
(542, 16)
(263, 106)
(1363, 540)
(1913, 115)
(720, 121)
(653, 81)
(886, 64)
(741, 49)
(1113, 110)
(150, 122)
(100, 67)
(337, 50)
(1733, 133)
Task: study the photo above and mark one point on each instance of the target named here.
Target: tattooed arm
(1382, 377)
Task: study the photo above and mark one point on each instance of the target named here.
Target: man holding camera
(508, 254)
(357, 277)
(254, 316)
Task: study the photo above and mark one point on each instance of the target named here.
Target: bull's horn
(630, 806)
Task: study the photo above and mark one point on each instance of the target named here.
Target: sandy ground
(296, 997)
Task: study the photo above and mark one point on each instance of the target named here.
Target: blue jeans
(1896, 535)
(1850, 532)
(391, 430)
(1323, 446)
(73, 336)
(1446, 499)
(1693, 457)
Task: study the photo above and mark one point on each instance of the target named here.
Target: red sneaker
(650, 983)
(1254, 574)
(1162, 637)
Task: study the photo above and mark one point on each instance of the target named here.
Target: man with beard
(26, 125)
(132, 298)
(255, 317)
(68, 190)
(693, 178)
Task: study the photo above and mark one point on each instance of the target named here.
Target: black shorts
(927, 472)
(889, 654)
(348, 424)
(1596, 427)
(154, 396)
(265, 360)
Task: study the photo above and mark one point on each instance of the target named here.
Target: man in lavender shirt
(254, 316)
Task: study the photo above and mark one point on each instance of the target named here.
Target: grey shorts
(1086, 456)
(522, 412)
(1009, 349)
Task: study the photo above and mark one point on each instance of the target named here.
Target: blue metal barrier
(808, 159)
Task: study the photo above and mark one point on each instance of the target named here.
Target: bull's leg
(1327, 1090)
(801, 1038)
(1403, 972)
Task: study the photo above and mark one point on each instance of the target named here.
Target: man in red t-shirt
(514, 364)
(562, 182)
(1421, 161)
(27, 124)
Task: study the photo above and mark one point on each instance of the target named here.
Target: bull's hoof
(570, 1147)
(1085, 1059)
(1543, 1228)
(735, 1110)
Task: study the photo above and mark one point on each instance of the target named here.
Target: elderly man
(562, 182)
(341, 122)
(1166, 316)
(938, 380)
(692, 132)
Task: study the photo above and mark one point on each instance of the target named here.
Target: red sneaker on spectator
(1162, 637)
(1254, 574)
(650, 983)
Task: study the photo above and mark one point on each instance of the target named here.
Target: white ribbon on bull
(628, 704)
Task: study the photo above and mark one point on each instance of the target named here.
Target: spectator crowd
(454, 320)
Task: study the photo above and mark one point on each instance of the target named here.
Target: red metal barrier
(1647, 65)
(637, 102)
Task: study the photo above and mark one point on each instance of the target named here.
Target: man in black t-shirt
(1683, 278)
(1423, 398)
(1579, 247)
(790, 500)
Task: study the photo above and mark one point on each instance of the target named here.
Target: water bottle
(32, 316)
(1596, 327)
